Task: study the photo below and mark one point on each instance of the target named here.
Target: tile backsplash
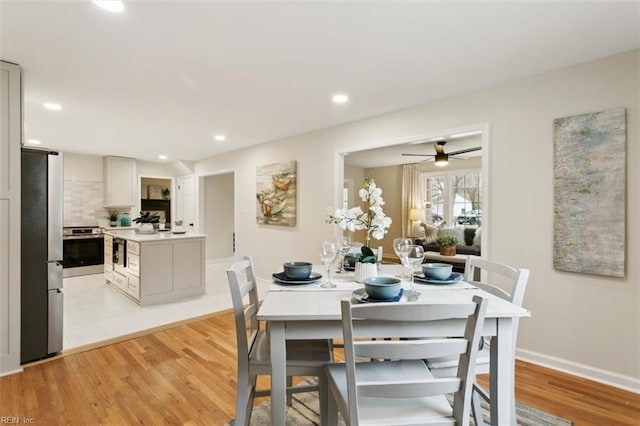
(83, 203)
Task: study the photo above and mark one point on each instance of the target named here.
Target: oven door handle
(83, 237)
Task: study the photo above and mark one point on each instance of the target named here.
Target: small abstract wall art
(276, 194)
(589, 193)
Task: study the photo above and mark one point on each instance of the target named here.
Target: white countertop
(134, 235)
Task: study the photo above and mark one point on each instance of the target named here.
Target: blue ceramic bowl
(297, 270)
(382, 287)
(437, 271)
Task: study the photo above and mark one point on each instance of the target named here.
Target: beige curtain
(410, 195)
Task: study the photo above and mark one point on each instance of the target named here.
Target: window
(454, 196)
(433, 192)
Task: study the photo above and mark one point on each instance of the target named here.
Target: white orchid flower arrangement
(374, 220)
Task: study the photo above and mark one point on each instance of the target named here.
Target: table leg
(501, 375)
(278, 373)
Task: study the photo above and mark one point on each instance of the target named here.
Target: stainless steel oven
(82, 251)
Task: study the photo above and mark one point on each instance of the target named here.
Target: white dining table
(295, 312)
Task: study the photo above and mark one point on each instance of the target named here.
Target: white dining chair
(304, 357)
(399, 389)
(515, 280)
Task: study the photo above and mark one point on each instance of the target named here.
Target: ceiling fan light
(441, 160)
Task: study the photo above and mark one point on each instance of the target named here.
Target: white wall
(79, 167)
(171, 168)
(586, 324)
(218, 215)
(389, 179)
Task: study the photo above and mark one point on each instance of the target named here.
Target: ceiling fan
(441, 157)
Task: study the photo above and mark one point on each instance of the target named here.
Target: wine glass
(345, 245)
(415, 257)
(328, 254)
(400, 247)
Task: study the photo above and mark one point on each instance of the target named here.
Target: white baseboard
(10, 372)
(606, 377)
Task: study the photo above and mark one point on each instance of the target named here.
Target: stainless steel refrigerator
(41, 254)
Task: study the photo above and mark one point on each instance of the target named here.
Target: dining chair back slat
(409, 349)
(408, 389)
(415, 313)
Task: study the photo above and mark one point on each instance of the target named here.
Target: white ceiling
(163, 77)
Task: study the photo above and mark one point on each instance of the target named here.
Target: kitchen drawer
(120, 281)
(133, 286)
(133, 263)
(133, 247)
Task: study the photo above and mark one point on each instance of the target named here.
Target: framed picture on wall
(155, 192)
(276, 194)
(589, 193)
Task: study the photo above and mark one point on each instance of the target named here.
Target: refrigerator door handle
(55, 207)
(54, 274)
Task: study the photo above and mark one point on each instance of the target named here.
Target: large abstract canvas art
(276, 194)
(589, 193)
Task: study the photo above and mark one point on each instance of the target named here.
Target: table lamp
(416, 216)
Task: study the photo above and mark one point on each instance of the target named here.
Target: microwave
(119, 252)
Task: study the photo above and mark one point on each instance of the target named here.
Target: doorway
(155, 196)
(218, 199)
(384, 160)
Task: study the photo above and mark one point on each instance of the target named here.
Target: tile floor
(94, 311)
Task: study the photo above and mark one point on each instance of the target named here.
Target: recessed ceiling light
(52, 106)
(110, 5)
(162, 157)
(34, 142)
(340, 98)
(220, 137)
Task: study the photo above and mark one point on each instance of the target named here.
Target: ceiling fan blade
(464, 151)
(419, 155)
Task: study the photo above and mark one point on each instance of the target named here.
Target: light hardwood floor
(186, 375)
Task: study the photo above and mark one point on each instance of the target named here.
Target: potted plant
(166, 193)
(146, 221)
(113, 217)
(447, 243)
(373, 221)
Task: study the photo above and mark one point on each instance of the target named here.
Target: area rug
(304, 411)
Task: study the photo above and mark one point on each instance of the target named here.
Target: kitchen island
(155, 268)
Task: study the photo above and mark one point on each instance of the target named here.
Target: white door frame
(484, 128)
(199, 190)
(173, 191)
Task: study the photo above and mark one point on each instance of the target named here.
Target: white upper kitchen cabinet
(120, 182)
